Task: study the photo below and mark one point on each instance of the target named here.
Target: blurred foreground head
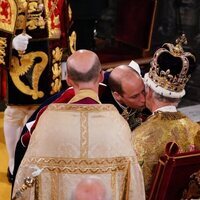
(91, 188)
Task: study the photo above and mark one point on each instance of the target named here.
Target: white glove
(20, 42)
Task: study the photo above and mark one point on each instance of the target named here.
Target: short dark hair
(115, 85)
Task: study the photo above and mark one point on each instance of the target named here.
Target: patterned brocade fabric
(72, 141)
(8, 15)
(33, 75)
(151, 137)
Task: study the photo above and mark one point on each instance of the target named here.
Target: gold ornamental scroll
(8, 15)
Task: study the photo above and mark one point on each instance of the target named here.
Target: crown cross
(178, 49)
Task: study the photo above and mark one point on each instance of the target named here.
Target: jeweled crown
(171, 66)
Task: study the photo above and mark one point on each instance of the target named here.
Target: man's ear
(117, 96)
(150, 92)
(69, 81)
(101, 76)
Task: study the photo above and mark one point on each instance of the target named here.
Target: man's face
(134, 94)
(148, 97)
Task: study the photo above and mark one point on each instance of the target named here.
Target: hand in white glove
(20, 42)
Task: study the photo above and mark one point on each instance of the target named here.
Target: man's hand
(20, 42)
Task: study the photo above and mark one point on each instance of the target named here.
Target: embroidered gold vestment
(151, 137)
(72, 141)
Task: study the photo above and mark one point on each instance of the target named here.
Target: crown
(170, 69)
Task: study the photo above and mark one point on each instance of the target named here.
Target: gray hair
(106, 194)
(164, 99)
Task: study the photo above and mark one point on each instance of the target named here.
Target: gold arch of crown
(164, 78)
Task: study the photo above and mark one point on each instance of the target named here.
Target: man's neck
(86, 86)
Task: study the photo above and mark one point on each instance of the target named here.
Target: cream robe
(72, 141)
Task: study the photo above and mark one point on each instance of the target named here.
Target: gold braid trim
(3, 45)
(169, 115)
(62, 107)
(60, 166)
(84, 135)
(79, 166)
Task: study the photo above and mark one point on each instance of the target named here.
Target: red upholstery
(173, 172)
(3, 86)
(135, 22)
(133, 31)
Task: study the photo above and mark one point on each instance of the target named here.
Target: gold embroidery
(22, 12)
(54, 186)
(52, 19)
(72, 42)
(55, 86)
(117, 167)
(20, 66)
(169, 115)
(35, 14)
(8, 15)
(3, 45)
(30, 14)
(70, 13)
(84, 135)
(57, 54)
(113, 185)
(20, 23)
(62, 182)
(56, 69)
(125, 185)
(37, 187)
(62, 107)
(76, 165)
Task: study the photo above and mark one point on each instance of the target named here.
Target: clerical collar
(85, 93)
(167, 109)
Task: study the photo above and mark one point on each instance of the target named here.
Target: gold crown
(167, 77)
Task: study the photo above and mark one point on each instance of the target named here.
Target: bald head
(90, 189)
(127, 87)
(83, 66)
